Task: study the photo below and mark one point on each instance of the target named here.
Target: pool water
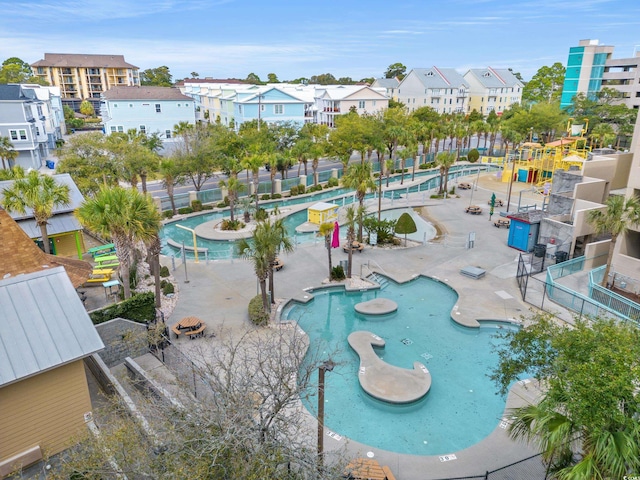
(227, 249)
(461, 408)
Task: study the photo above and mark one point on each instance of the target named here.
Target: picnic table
(354, 246)
(474, 210)
(102, 250)
(501, 222)
(107, 261)
(190, 326)
(464, 186)
(498, 203)
(277, 264)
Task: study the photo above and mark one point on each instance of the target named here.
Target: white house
(442, 89)
(334, 100)
(390, 86)
(146, 109)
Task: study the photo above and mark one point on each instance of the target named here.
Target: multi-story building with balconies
(85, 77)
(492, 89)
(442, 89)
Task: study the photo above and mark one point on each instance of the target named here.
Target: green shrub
(400, 170)
(167, 214)
(164, 271)
(452, 190)
(257, 315)
(228, 224)
(473, 155)
(276, 195)
(221, 205)
(426, 166)
(376, 175)
(337, 273)
(383, 228)
(196, 205)
(207, 207)
(261, 215)
(139, 308)
(185, 210)
(226, 201)
(332, 182)
(301, 189)
(266, 196)
(168, 288)
(293, 190)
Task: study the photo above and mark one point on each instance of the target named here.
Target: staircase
(380, 280)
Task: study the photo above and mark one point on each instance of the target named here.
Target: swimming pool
(462, 406)
(226, 249)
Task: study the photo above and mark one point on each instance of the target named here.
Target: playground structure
(534, 163)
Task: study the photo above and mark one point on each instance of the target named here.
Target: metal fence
(547, 294)
(183, 368)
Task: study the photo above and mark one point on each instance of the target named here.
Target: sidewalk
(219, 293)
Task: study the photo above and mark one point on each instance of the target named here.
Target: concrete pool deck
(219, 292)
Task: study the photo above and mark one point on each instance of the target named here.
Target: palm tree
(326, 231)
(126, 216)
(445, 160)
(39, 193)
(280, 242)
(234, 187)
(253, 163)
(616, 219)
(7, 152)
(351, 216)
(13, 173)
(358, 177)
(171, 175)
(268, 239)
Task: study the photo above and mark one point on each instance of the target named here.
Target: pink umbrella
(335, 242)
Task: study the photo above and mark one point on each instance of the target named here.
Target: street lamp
(327, 365)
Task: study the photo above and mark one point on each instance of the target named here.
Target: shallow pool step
(380, 280)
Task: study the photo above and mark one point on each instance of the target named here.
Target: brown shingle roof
(82, 60)
(144, 93)
(21, 255)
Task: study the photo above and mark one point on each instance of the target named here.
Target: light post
(327, 365)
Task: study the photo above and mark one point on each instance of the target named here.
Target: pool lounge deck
(493, 297)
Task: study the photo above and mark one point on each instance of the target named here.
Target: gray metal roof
(61, 223)
(62, 178)
(496, 77)
(43, 325)
(435, 77)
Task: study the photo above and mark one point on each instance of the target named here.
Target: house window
(374, 103)
(115, 105)
(131, 105)
(120, 129)
(178, 105)
(262, 107)
(113, 129)
(143, 129)
(158, 108)
(38, 131)
(40, 70)
(240, 109)
(278, 109)
(167, 133)
(361, 104)
(18, 134)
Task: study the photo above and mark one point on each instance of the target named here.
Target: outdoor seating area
(464, 186)
(105, 261)
(502, 222)
(108, 249)
(474, 210)
(191, 327)
(100, 275)
(277, 264)
(498, 202)
(354, 246)
(367, 469)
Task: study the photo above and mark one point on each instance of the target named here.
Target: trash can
(561, 256)
(539, 250)
(50, 164)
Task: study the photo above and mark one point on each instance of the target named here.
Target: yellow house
(322, 212)
(63, 229)
(45, 333)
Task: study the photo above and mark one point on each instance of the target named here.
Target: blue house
(146, 109)
(270, 105)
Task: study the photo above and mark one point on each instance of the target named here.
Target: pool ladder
(380, 280)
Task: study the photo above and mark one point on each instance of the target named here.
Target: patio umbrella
(335, 241)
